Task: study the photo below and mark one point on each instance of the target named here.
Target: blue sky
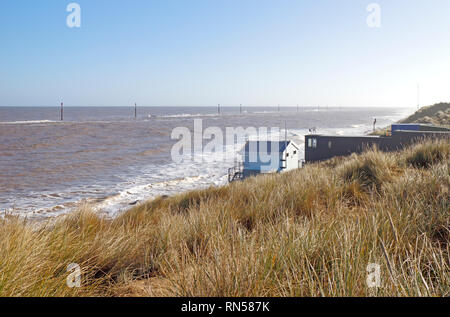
(205, 52)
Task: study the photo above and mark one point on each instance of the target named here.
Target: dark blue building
(323, 147)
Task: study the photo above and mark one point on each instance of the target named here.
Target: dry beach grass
(310, 232)
(437, 114)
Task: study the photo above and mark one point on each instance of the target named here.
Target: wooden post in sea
(240, 108)
(218, 108)
(135, 110)
(62, 111)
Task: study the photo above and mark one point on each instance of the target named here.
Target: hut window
(314, 143)
(329, 144)
(287, 154)
(309, 142)
(295, 152)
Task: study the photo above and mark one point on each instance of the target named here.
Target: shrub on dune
(310, 232)
(370, 169)
(424, 155)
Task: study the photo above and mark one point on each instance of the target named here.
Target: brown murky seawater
(105, 157)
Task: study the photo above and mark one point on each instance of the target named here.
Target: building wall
(405, 138)
(292, 160)
(280, 161)
(325, 147)
(417, 127)
(331, 146)
(433, 129)
(250, 173)
(409, 127)
(261, 166)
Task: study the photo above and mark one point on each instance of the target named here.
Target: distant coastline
(437, 114)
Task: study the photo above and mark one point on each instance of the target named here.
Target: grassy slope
(311, 232)
(438, 114)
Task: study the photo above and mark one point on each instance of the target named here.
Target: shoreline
(262, 235)
(120, 201)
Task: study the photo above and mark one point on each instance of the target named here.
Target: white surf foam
(28, 122)
(168, 179)
(188, 115)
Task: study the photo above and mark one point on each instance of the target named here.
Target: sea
(107, 159)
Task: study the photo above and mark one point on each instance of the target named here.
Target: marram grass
(311, 232)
